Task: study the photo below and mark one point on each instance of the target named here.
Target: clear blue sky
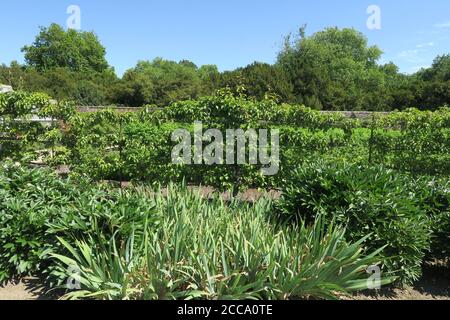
(229, 33)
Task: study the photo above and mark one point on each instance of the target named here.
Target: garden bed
(349, 197)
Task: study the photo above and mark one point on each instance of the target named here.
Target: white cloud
(424, 45)
(442, 25)
(407, 53)
(412, 56)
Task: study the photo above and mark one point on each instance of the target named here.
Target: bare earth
(435, 285)
(26, 289)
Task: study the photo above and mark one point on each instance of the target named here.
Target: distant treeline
(333, 69)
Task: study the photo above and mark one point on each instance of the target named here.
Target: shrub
(368, 200)
(19, 136)
(434, 198)
(28, 199)
(36, 207)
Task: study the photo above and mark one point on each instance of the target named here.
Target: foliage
(210, 250)
(29, 198)
(20, 134)
(367, 200)
(258, 80)
(333, 69)
(129, 244)
(162, 82)
(76, 50)
(68, 65)
(434, 198)
(420, 144)
(36, 207)
(137, 146)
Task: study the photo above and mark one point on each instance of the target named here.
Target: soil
(250, 195)
(434, 285)
(29, 288)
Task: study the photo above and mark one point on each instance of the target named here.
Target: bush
(20, 137)
(28, 199)
(368, 200)
(36, 207)
(434, 198)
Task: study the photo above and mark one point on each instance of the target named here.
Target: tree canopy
(162, 81)
(75, 50)
(333, 69)
(336, 68)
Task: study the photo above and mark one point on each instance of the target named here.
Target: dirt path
(26, 289)
(23, 291)
(434, 285)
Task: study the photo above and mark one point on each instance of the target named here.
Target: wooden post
(372, 135)
(121, 142)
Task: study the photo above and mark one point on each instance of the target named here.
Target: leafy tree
(76, 50)
(162, 82)
(335, 66)
(258, 80)
(436, 84)
(439, 71)
(210, 78)
(66, 65)
(21, 78)
(334, 69)
(188, 64)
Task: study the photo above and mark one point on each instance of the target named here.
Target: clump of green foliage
(212, 250)
(21, 136)
(399, 212)
(332, 69)
(137, 146)
(36, 207)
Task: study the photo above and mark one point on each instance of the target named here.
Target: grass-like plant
(208, 249)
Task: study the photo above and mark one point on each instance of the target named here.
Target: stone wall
(362, 115)
(5, 89)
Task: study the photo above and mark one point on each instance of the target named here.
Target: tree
(162, 82)
(20, 77)
(431, 86)
(66, 65)
(75, 50)
(335, 67)
(439, 71)
(258, 80)
(210, 77)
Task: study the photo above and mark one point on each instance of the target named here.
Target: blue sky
(229, 33)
